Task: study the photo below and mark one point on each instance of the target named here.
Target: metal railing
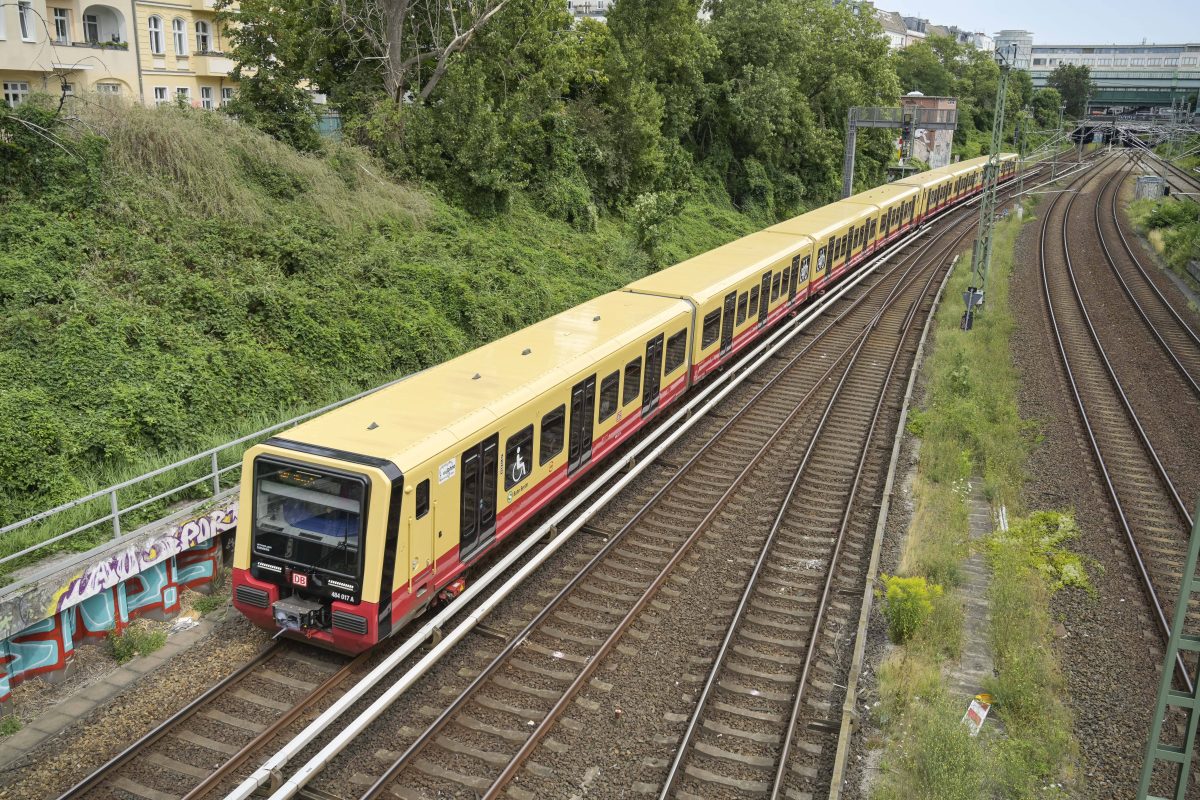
(212, 457)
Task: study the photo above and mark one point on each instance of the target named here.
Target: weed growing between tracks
(970, 430)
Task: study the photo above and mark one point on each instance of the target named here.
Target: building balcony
(211, 64)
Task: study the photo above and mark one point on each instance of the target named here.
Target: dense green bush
(907, 603)
(183, 279)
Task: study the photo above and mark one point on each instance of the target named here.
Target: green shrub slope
(169, 279)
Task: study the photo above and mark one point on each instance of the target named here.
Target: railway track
(1178, 339)
(203, 745)
(764, 712)
(1146, 503)
(493, 731)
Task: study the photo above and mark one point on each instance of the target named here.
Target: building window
(226, 97)
(156, 37)
(160, 95)
(25, 15)
(203, 37)
(16, 92)
(91, 28)
(206, 98)
(183, 96)
(179, 33)
(111, 89)
(62, 29)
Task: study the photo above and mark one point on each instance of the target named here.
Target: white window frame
(25, 17)
(160, 95)
(226, 96)
(112, 89)
(91, 25)
(155, 27)
(206, 98)
(179, 36)
(203, 37)
(185, 93)
(62, 25)
(16, 92)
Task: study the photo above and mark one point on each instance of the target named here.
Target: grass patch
(970, 430)
(10, 725)
(139, 639)
(207, 603)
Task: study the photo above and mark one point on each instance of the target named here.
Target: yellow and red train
(353, 522)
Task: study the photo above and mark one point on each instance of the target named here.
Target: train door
(583, 415)
(652, 377)
(477, 512)
(794, 280)
(764, 307)
(727, 322)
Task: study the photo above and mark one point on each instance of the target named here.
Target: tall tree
(1074, 83)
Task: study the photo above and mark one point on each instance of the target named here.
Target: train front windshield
(308, 517)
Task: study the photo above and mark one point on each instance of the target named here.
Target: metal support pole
(116, 513)
(981, 256)
(848, 159)
(216, 475)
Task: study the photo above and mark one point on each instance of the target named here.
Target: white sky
(1065, 21)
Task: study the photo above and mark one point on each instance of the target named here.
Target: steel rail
(268, 653)
(1131, 541)
(1180, 506)
(675, 769)
(443, 719)
(1118, 175)
(1191, 332)
(794, 718)
(164, 727)
(254, 745)
(510, 770)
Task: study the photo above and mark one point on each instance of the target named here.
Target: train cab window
(677, 348)
(633, 380)
(741, 308)
(422, 506)
(712, 329)
(610, 388)
(553, 428)
(518, 457)
(775, 281)
(753, 309)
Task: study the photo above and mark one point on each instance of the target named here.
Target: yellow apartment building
(150, 51)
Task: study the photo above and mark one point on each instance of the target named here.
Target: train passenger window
(822, 263)
(677, 348)
(712, 329)
(422, 507)
(753, 310)
(775, 281)
(633, 380)
(518, 456)
(741, 308)
(610, 387)
(553, 430)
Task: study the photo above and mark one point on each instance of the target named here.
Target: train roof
(418, 417)
(882, 195)
(823, 222)
(712, 273)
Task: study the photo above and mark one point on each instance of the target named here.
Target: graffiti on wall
(47, 646)
(136, 559)
(142, 579)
